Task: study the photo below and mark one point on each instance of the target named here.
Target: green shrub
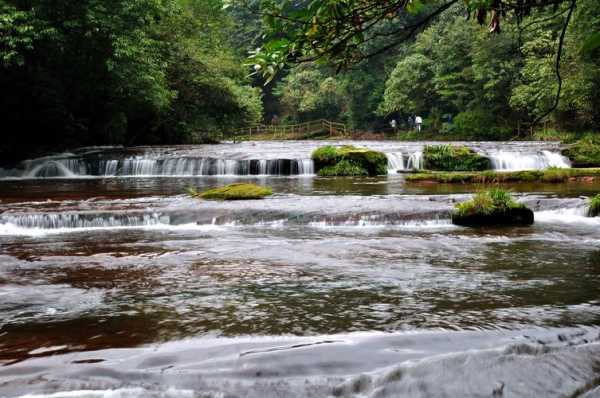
(368, 161)
(555, 174)
(585, 152)
(343, 168)
(594, 210)
(453, 158)
(488, 202)
(234, 192)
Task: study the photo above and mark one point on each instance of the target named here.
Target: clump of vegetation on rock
(233, 192)
(585, 152)
(453, 158)
(349, 161)
(594, 210)
(492, 207)
(343, 168)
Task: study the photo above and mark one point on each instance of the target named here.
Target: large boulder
(492, 207)
(453, 158)
(349, 161)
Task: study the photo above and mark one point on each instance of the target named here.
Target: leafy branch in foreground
(346, 32)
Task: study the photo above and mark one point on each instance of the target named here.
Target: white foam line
(13, 230)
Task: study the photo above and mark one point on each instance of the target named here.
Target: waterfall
(55, 168)
(395, 162)
(507, 161)
(415, 161)
(79, 220)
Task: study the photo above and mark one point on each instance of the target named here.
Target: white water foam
(119, 393)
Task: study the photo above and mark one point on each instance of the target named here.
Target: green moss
(234, 192)
(343, 168)
(594, 210)
(369, 161)
(453, 158)
(492, 207)
(326, 155)
(551, 175)
(585, 152)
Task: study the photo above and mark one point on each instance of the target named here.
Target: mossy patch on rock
(594, 210)
(585, 152)
(453, 158)
(348, 160)
(492, 207)
(234, 192)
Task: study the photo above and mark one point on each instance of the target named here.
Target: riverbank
(551, 175)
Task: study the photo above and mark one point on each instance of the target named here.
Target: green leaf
(591, 43)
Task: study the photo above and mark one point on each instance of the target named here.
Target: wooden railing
(294, 131)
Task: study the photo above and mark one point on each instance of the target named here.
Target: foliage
(488, 202)
(119, 72)
(343, 168)
(594, 209)
(453, 158)
(585, 152)
(237, 192)
(341, 31)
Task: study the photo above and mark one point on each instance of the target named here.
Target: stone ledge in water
(594, 209)
(349, 161)
(236, 192)
(550, 175)
(492, 207)
(453, 158)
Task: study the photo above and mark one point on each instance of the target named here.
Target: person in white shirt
(418, 122)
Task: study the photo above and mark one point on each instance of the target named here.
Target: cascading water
(261, 158)
(51, 221)
(526, 161)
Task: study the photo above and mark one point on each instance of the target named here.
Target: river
(116, 284)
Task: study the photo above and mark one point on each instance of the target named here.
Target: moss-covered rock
(234, 192)
(492, 207)
(354, 161)
(343, 168)
(585, 152)
(453, 158)
(594, 210)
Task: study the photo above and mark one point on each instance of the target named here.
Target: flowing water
(115, 284)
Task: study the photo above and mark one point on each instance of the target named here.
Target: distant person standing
(418, 123)
(410, 122)
(393, 124)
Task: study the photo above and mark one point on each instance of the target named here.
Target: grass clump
(343, 168)
(492, 207)
(585, 152)
(327, 158)
(233, 192)
(488, 202)
(453, 158)
(594, 210)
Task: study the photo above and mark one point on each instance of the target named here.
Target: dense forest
(105, 72)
